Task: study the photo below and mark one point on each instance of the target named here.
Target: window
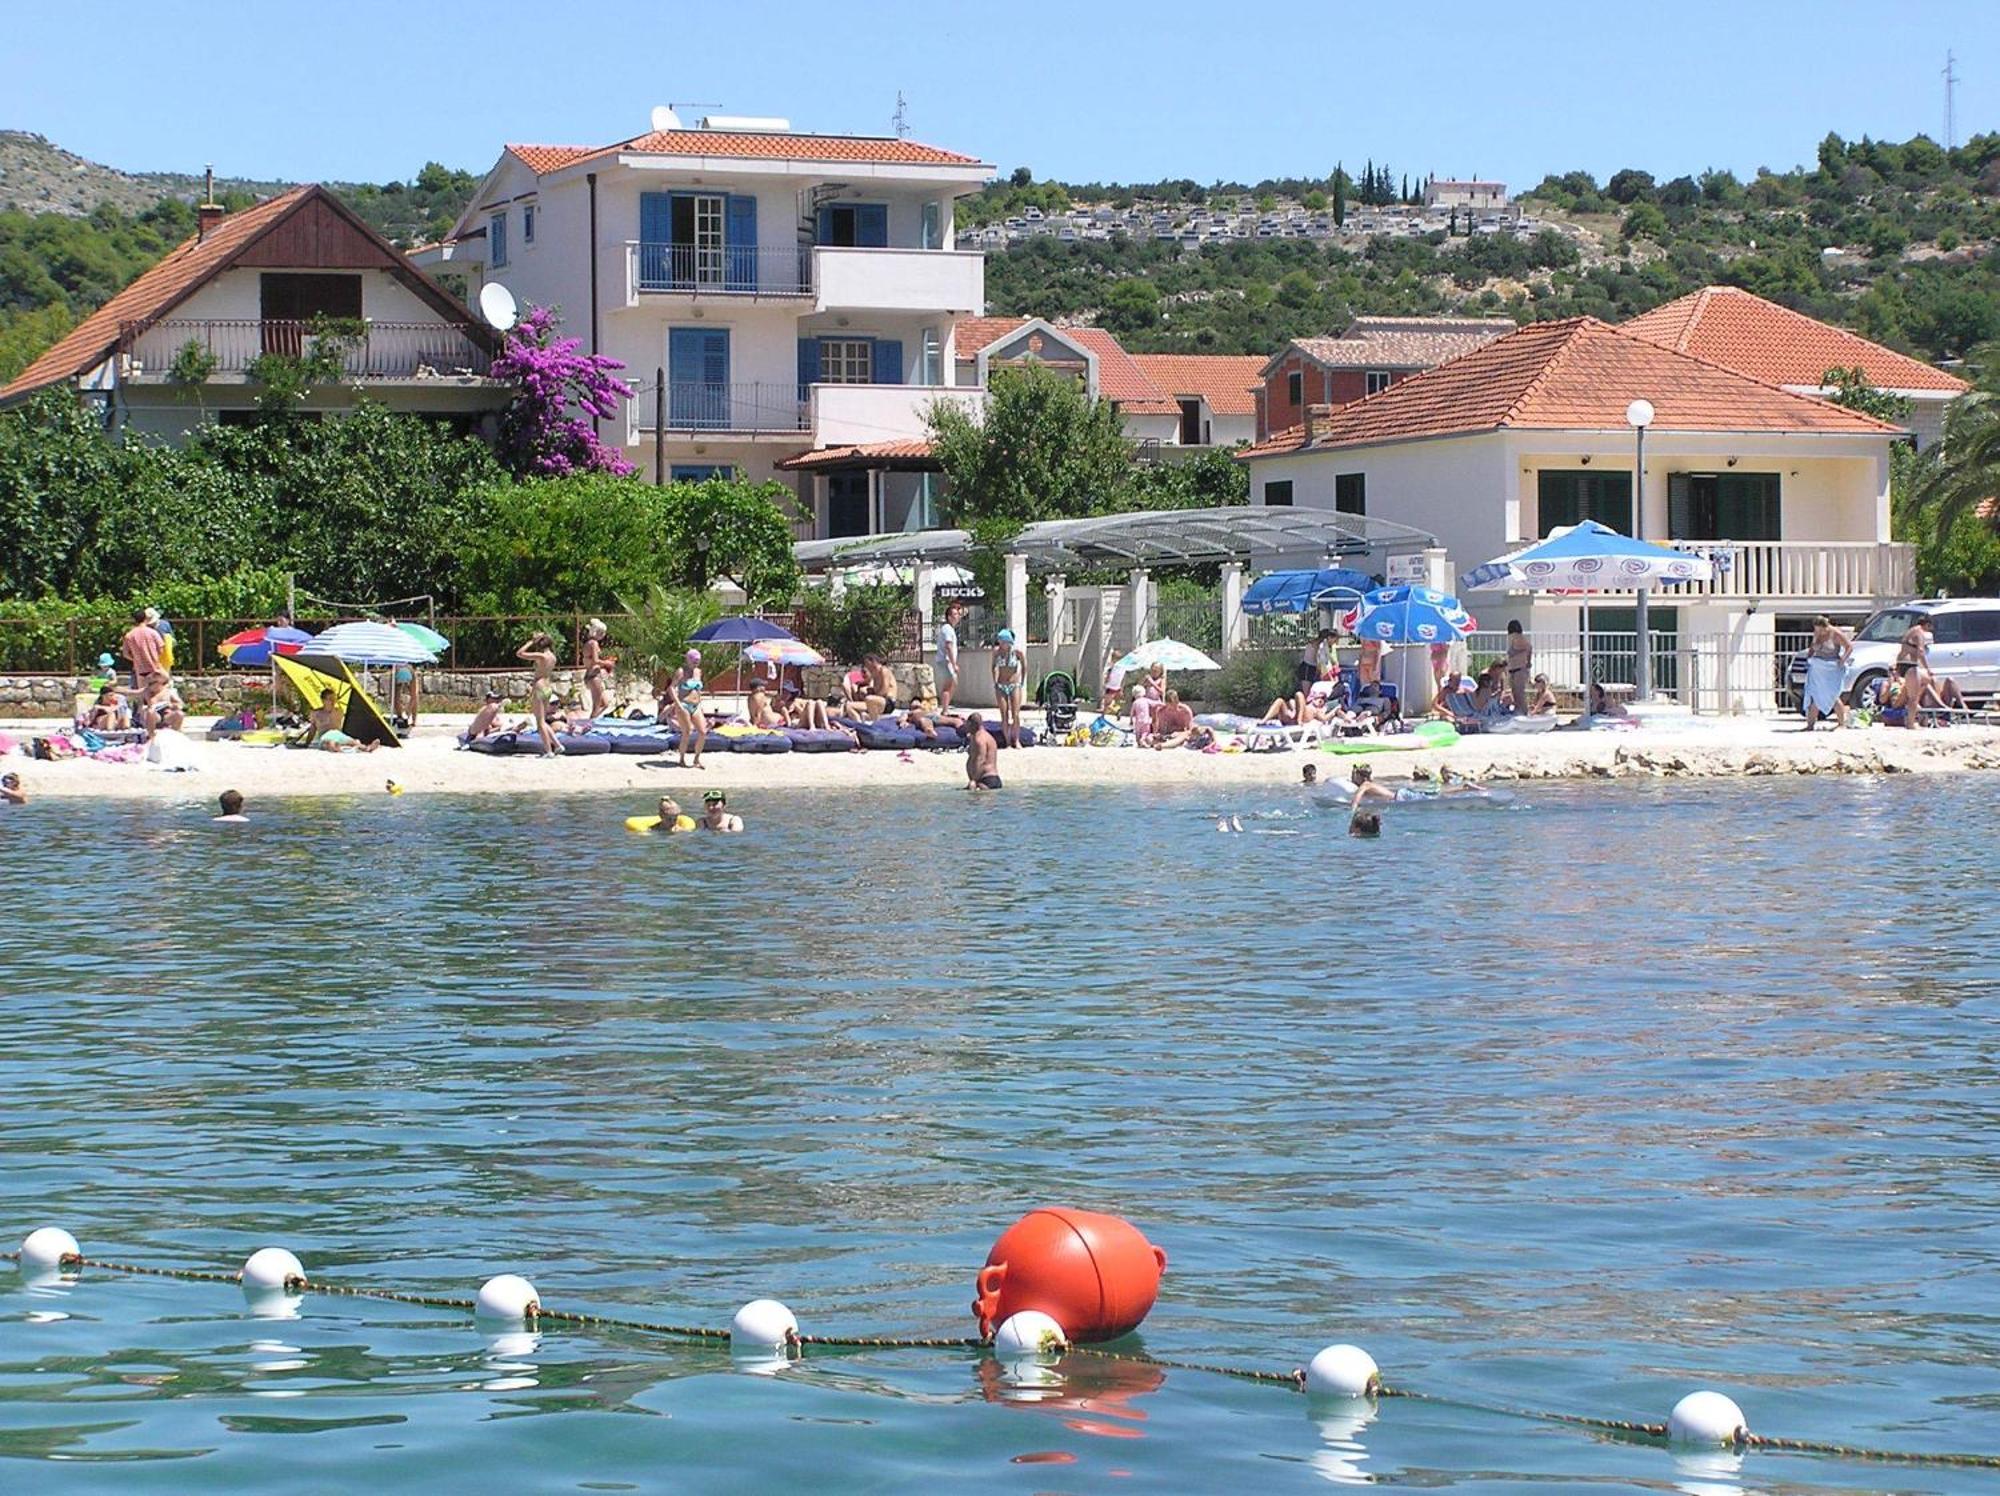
(1563, 496)
(1982, 627)
(933, 369)
(933, 226)
(1350, 493)
(698, 472)
(1278, 494)
(288, 302)
(854, 225)
(527, 223)
(1295, 388)
(1948, 628)
(1377, 380)
(847, 504)
(1723, 506)
(846, 361)
(496, 239)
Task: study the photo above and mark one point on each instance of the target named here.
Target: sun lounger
(1278, 737)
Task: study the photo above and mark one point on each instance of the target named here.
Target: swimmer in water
(1309, 775)
(715, 814)
(1365, 823)
(1451, 782)
(232, 806)
(1366, 789)
(11, 792)
(672, 818)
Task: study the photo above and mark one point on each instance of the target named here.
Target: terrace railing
(717, 270)
(382, 350)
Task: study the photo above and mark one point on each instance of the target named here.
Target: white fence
(1718, 674)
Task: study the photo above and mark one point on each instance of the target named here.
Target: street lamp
(1639, 415)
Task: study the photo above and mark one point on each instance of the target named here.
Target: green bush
(1248, 683)
(861, 621)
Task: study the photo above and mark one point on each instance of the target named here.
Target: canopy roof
(1152, 537)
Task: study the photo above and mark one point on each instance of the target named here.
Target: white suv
(1965, 646)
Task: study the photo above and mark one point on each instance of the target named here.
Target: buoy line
(766, 1328)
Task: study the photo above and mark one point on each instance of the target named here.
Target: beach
(430, 762)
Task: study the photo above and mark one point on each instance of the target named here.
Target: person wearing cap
(596, 668)
(684, 692)
(715, 814)
(165, 630)
(486, 720)
(1010, 671)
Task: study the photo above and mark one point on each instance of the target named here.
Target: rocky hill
(39, 176)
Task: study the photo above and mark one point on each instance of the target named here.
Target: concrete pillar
(1058, 592)
(1439, 574)
(1017, 597)
(1139, 603)
(1235, 627)
(926, 592)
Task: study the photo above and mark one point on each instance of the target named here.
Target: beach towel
(1823, 682)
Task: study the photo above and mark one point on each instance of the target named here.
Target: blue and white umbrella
(371, 644)
(1168, 652)
(1303, 591)
(1411, 615)
(1589, 557)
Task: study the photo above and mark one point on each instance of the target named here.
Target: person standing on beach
(1913, 667)
(684, 694)
(540, 652)
(1826, 670)
(945, 666)
(982, 756)
(596, 667)
(1010, 670)
(142, 648)
(1520, 664)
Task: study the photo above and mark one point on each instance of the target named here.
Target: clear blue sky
(1083, 90)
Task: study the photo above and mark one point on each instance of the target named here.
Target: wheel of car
(1864, 687)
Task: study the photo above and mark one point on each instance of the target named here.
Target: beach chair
(1280, 738)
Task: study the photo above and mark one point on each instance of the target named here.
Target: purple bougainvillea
(547, 431)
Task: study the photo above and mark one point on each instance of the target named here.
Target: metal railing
(1870, 569)
(727, 407)
(381, 350)
(719, 270)
(1708, 673)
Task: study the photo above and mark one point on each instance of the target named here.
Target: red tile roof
(975, 333)
(1731, 327)
(880, 150)
(1401, 342)
(861, 454)
(1577, 375)
(1224, 380)
(1120, 377)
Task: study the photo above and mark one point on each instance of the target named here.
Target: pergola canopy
(1145, 538)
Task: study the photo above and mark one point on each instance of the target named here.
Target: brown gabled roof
(862, 454)
(1576, 375)
(190, 266)
(1730, 326)
(1224, 380)
(1401, 342)
(885, 150)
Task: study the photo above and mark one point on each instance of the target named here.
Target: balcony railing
(743, 409)
(1858, 569)
(382, 350)
(721, 270)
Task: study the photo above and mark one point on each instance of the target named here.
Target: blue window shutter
(824, 232)
(871, 225)
(656, 232)
(715, 356)
(808, 364)
(740, 235)
(888, 361)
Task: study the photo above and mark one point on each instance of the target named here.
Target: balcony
(1834, 571)
(718, 271)
(899, 280)
(857, 414)
(383, 350)
(741, 411)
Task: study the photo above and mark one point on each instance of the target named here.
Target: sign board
(1406, 570)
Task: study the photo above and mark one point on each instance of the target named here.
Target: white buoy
(507, 1297)
(48, 1247)
(1706, 1418)
(272, 1269)
(762, 1325)
(1028, 1334)
(1343, 1371)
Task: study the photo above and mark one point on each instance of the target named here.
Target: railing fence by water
(795, 1345)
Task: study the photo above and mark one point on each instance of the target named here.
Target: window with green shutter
(1567, 496)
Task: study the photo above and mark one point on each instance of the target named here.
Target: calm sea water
(1577, 1104)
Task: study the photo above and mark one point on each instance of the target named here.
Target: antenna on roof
(900, 121)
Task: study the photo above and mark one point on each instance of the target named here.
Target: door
(846, 504)
(698, 378)
(1724, 506)
(699, 238)
(854, 225)
(288, 302)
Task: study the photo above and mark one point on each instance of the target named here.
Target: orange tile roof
(975, 333)
(1576, 375)
(1225, 380)
(1731, 327)
(905, 450)
(879, 150)
(1120, 377)
(183, 269)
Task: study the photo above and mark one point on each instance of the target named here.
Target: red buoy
(1095, 1275)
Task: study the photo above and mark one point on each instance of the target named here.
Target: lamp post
(1639, 415)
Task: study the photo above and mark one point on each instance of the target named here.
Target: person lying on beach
(760, 712)
(486, 720)
(1366, 789)
(1943, 692)
(1541, 700)
(323, 730)
(11, 792)
(232, 806)
(928, 721)
(1309, 704)
(1602, 705)
(982, 756)
(107, 713)
(808, 713)
(715, 814)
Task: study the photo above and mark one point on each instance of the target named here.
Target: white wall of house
(236, 295)
(1227, 431)
(1145, 428)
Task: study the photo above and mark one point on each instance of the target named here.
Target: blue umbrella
(1411, 615)
(1302, 591)
(740, 628)
(1589, 557)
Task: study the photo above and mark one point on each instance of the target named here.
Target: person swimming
(1365, 823)
(1366, 789)
(715, 814)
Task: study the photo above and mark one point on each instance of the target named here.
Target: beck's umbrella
(1411, 615)
(1303, 591)
(1168, 652)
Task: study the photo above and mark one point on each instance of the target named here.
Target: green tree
(1340, 185)
(1042, 450)
(1644, 221)
(729, 528)
(1630, 186)
(1850, 387)
(1131, 306)
(559, 544)
(1956, 478)
(859, 622)
(1211, 480)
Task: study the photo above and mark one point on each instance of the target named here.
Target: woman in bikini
(1010, 669)
(540, 652)
(685, 694)
(596, 668)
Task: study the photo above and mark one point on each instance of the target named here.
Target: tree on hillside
(1644, 221)
(1131, 307)
(1339, 196)
(1629, 186)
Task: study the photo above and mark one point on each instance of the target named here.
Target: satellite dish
(665, 119)
(496, 305)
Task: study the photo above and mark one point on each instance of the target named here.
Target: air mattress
(1423, 735)
(815, 740)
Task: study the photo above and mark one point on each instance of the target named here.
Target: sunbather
(108, 713)
(1172, 723)
(1602, 705)
(484, 721)
(1943, 692)
(760, 711)
(1542, 700)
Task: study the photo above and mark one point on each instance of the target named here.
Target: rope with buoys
(768, 1327)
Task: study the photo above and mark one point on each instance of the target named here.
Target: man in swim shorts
(982, 756)
(1366, 789)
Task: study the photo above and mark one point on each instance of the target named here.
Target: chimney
(1316, 418)
(208, 212)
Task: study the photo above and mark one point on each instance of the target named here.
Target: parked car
(1965, 635)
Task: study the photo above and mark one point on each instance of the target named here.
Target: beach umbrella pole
(1586, 654)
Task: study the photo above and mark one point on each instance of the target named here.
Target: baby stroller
(1057, 698)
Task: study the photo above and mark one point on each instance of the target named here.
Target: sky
(1083, 90)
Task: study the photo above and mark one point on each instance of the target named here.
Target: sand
(430, 763)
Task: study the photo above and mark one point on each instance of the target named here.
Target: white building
(1442, 195)
(1504, 444)
(770, 293)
